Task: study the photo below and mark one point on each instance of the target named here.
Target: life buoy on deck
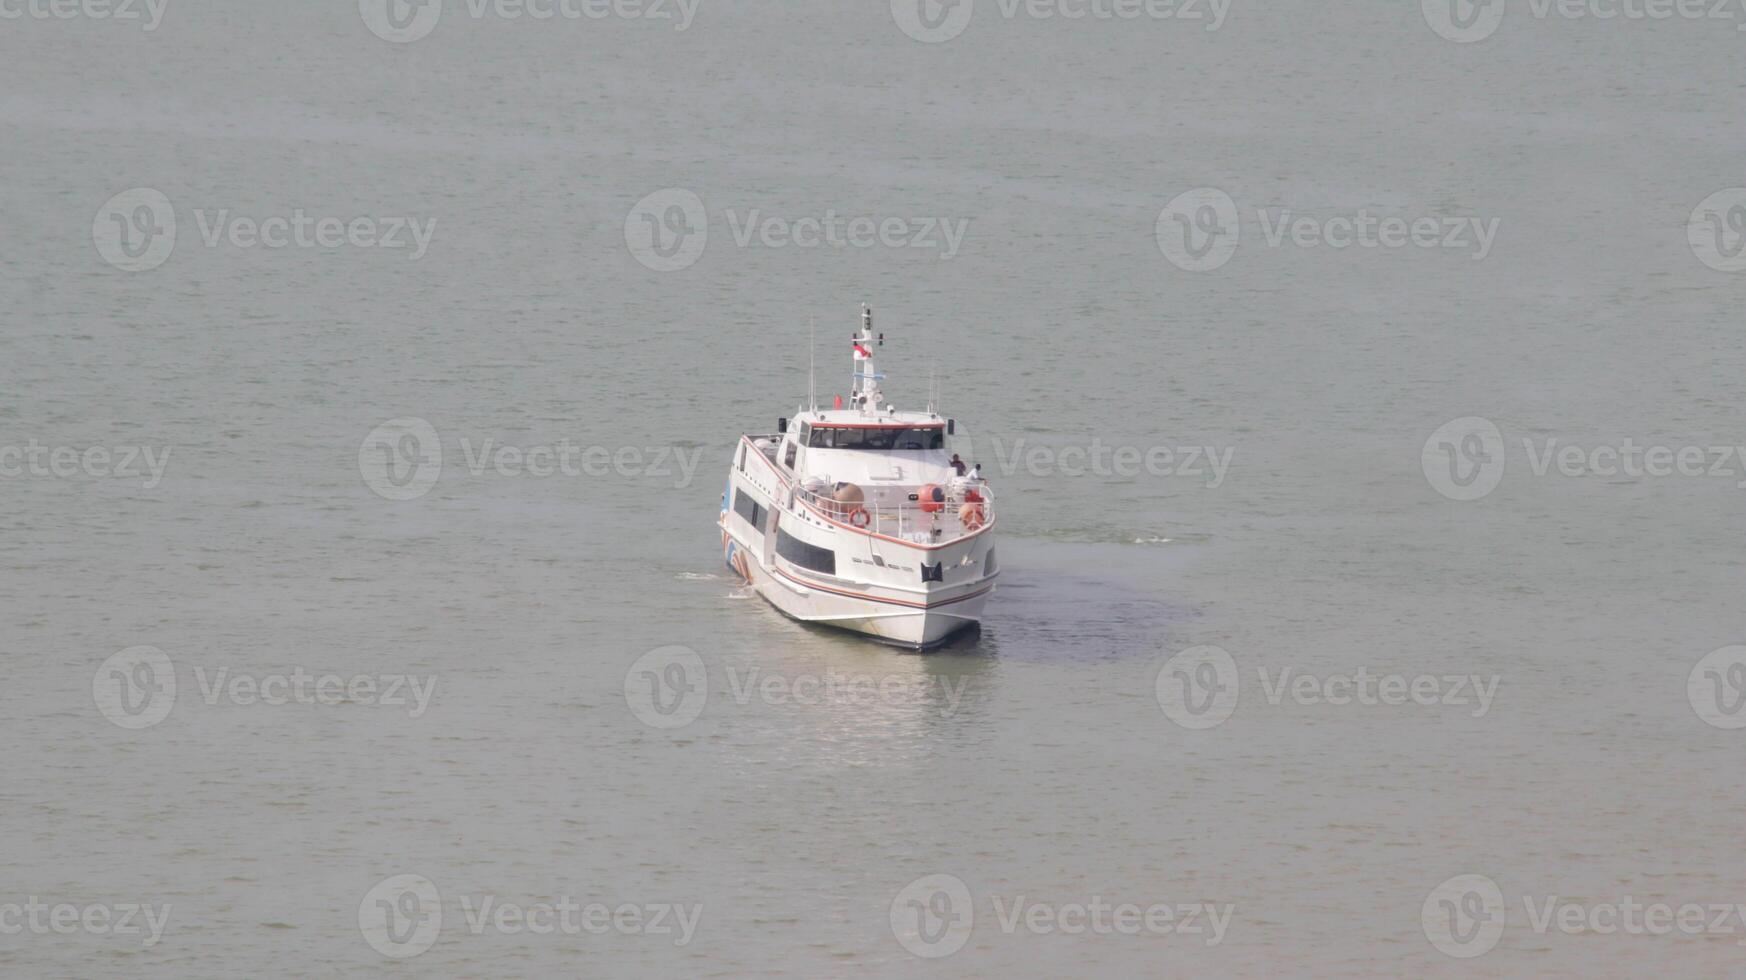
(931, 497)
(859, 517)
(972, 515)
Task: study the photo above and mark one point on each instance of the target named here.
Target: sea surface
(544, 690)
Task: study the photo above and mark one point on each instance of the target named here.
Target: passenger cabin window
(788, 460)
(754, 513)
(899, 438)
(805, 555)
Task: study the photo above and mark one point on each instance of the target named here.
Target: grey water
(1317, 649)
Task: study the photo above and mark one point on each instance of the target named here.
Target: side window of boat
(754, 513)
(788, 460)
(806, 555)
(742, 457)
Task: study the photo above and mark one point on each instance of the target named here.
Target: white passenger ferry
(858, 517)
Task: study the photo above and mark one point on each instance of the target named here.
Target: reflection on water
(836, 698)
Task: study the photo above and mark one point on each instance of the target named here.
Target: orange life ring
(859, 517)
(972, 515)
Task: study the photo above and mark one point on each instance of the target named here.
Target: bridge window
(879, 438)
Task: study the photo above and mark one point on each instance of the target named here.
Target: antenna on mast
(811, 358)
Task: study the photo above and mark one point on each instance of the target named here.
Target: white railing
(905, 518)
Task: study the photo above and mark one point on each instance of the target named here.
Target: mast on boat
(864, 393)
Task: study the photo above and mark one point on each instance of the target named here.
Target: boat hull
(916, 622)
